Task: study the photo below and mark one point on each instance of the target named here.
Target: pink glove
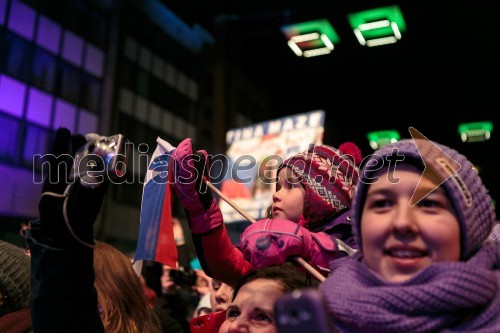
(202, 211)
(272, 241)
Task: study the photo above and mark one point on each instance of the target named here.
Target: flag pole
(301, 261)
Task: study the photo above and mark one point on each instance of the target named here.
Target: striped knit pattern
(442, 296)
(15, 273)
(329, 178)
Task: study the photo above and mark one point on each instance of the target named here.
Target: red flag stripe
(166, 250)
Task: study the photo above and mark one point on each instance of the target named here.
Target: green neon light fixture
(474, 132)
(378, 26)
(381, 138)
(311, 38)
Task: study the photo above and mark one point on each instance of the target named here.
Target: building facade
(130, 67)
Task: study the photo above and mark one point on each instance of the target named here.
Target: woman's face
(252, 310)
(288, 200)
(398, 240)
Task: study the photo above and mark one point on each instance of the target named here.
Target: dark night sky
(444, 71)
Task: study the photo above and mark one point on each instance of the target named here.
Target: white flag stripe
(165, 145)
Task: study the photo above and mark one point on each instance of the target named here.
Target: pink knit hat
(329, 176)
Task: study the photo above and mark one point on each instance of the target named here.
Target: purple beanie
(472, 203)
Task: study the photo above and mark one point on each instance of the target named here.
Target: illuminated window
(3, 5)
(158, 67)
(8, 137)
(36, 141)
(48, 34)
(44, 70)
(72, 48)
(91, 93)
(87, 122)
(12, 94)
(39, 107)
(168, 122)
(142, 84)
(155, 116)
(94, 60)
(70, 82)
(127, 98)
(131, 49)
(145, 58)
(22, 19)
(18, 58)
(65, 115)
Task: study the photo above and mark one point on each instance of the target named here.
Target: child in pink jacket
(309, 216)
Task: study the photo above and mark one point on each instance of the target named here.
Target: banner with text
(254, 155)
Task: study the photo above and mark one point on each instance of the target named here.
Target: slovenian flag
(156, 236)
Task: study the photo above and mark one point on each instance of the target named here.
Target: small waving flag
(156, 236)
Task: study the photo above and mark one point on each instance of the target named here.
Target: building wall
(160, 90)
(130, 67)
(51, 75)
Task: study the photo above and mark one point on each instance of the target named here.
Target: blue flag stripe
(152, 207)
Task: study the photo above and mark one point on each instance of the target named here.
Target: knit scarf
(447, 296)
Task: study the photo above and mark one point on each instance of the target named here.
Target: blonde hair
(120, 293)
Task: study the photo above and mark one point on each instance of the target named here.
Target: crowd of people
(406, 241)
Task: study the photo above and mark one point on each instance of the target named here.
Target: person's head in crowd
(404, 228)
(15, 275)
(152, 272)
(202, 287)
(122, 303)
(220, 295)
(149, 293)
(174, 280)
(316, 185)
(179, 295)
(252, 307)
(422, 218)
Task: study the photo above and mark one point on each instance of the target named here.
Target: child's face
(288, 200)
(252, 309)
(399, 240)
(220, 295)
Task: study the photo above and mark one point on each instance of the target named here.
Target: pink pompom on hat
(329, 176)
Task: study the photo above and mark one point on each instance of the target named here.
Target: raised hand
(273, 241)
(67, 209)
(192, 169)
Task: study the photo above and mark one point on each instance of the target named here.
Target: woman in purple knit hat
(422, 217)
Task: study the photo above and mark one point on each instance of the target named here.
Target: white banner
(254, 154)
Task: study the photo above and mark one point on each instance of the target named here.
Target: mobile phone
(207, 323)
(302, 310)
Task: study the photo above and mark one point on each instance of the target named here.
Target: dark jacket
(63, 297)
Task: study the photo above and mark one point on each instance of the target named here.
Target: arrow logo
(438, 165)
